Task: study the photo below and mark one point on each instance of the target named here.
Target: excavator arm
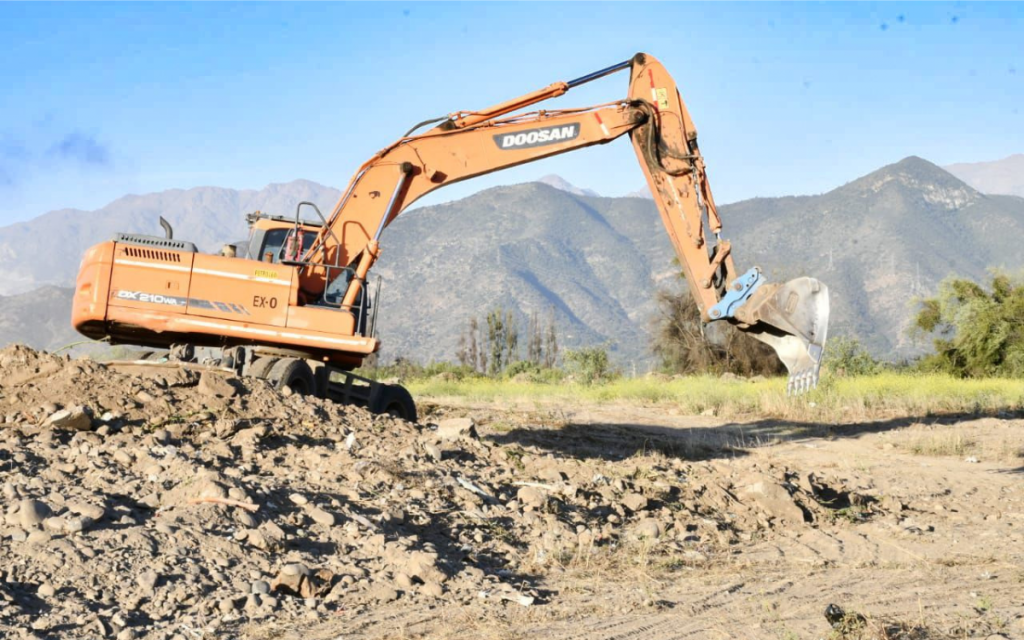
(791, 317)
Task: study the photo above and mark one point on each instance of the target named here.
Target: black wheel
(294, 374)
(261, 367)
(393, 400)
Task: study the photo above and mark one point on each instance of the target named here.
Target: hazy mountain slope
(40, 318)
(528, 247)
(47, 249)
(878, 242)
(1004, 176)
(561, 183)
(881, 240)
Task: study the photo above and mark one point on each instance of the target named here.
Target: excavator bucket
(793, 319)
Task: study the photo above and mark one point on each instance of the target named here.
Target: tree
(551, 342)
(684, 344)
(469, 353)
(496, 340)
(535, 341)
(511, 339)
(976, 332)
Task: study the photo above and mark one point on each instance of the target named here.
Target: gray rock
(647, 529)
(46, 590)
(772, 498)
(75, 418)
(295, 569)
(531, 496)
(33, 512)
(455, 428)
(634, 502)
(261, 587)
(218, 386)
(321, 517)
(93, 512)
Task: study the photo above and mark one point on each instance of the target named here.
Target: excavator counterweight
(297, 292)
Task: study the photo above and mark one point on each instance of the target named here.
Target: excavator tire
(262, 367)
(294, 374)
(393, 400)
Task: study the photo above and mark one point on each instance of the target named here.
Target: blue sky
(103, 100)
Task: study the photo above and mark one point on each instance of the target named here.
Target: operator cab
(269, 239)
(268, 235)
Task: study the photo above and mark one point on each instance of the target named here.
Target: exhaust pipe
(168, 231)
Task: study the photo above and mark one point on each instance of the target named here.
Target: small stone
(647, 529)
(455, 428)
(531, 496)
(46, 590)
(772, 498)
(163, 527)
(54, 524)
(321, 517)
(350, 443)
(77, 418)
(298, 499)
(432, 589)
(261, 587)
(245, 519)
(403, 581)
(432, 451)
(123, 457)
(295, 569)
(93, 512)
(162, 436)
(147, 581)
(635, 502)
(33, 512)
(226, 606)
(383, 593)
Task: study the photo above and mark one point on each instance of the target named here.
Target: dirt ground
(155, 502)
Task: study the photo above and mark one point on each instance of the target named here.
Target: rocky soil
(160, 502)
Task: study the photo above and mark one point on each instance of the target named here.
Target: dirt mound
(155, 501)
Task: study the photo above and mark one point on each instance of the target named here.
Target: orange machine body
(141, 290)
(160, 295)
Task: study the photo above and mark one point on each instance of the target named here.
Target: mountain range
(1004, 177)
(594, 262)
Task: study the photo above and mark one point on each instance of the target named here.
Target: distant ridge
(562, 184)
(1004, 176)
(878, 242)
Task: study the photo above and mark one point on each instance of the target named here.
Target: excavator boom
(320, 283)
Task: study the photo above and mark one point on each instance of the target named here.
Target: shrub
(589, 364)
(846, 357)
(976, 332)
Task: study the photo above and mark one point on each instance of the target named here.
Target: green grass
(881, 395)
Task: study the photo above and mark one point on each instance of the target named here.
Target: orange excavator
(292, 305)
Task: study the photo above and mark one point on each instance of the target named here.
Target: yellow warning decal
(662, 97)
(265, 273)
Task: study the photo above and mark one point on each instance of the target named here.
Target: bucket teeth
(802, 381)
